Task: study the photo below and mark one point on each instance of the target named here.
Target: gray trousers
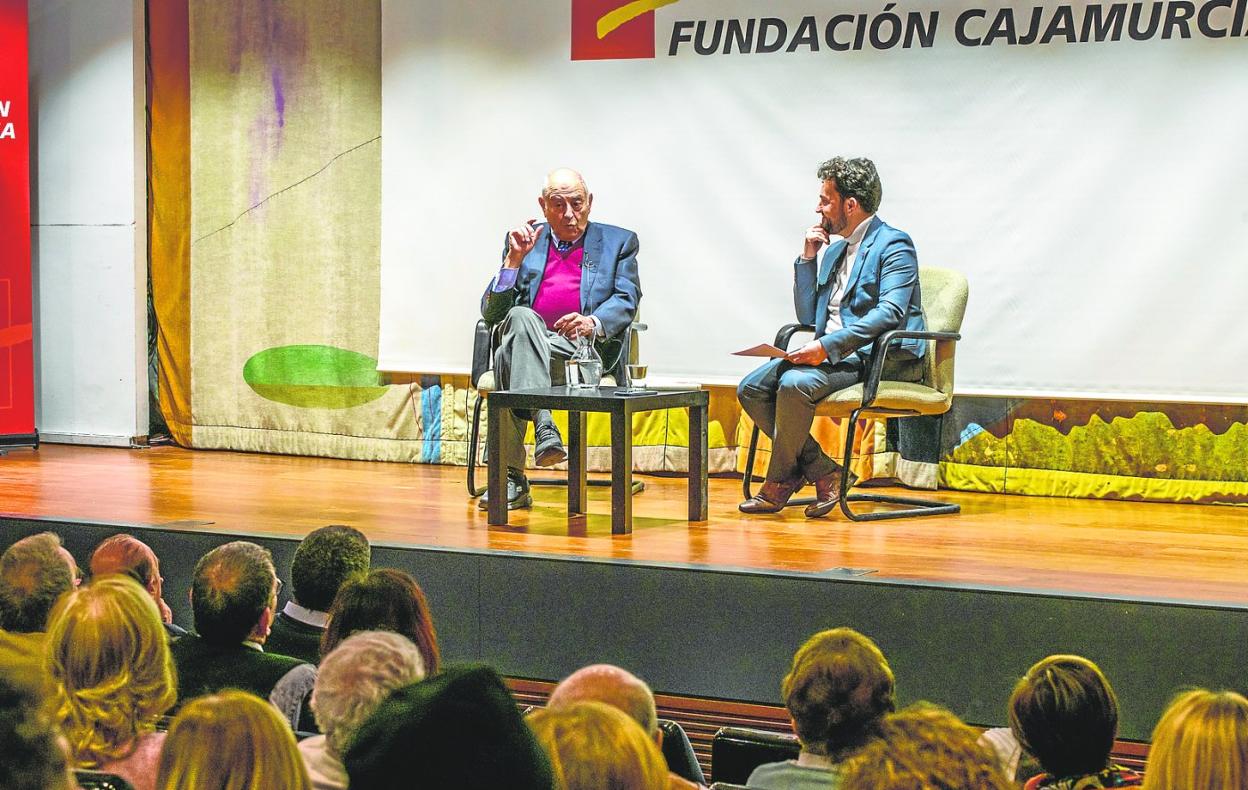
(529, 356)
(781, 398)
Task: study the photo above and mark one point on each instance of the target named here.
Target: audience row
(92, 674)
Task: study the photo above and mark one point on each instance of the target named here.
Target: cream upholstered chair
(944, 293)
(482, 378)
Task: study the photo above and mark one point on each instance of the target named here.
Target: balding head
(565, 203)
(127, 555)
(616, 687)
(234, 593)
(34, 573)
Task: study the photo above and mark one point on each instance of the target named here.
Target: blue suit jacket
(882, 294)
(610, 287)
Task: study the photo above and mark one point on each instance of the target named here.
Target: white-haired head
(356, 677)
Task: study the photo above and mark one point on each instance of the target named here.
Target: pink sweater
(560, 291)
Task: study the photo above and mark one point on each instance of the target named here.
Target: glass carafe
(584, 369)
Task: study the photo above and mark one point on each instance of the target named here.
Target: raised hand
(816, 237)
(520, 242)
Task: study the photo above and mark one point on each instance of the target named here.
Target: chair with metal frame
(944, 294)
(485, 341)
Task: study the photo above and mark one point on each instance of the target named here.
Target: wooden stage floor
(1193, 553)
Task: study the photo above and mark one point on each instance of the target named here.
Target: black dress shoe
(828, 492)
(548, 449)
(772, 497)
(517, 492)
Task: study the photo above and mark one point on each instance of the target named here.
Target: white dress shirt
(854, 241)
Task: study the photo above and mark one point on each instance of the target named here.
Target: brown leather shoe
(772, 497)
(828, 493)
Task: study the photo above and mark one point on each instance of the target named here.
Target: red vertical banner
(17, 369)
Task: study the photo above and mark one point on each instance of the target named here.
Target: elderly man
(128, 555)
(839, 688)
(233, 596)
(620, 689)
(866, 283)
(34, 573)
(353, 681)
(560, 279)
(325, 559)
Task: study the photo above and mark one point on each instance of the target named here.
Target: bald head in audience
(623, 691)
(617, 687)
(132, 557)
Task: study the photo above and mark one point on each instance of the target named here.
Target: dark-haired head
(385, 599)
(1065, 714)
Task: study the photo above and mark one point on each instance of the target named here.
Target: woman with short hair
(112, 677)
(352, 682)
(1065, 714)
(1200, 743)
(232, 740)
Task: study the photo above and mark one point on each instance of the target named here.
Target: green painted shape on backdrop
(314, 377)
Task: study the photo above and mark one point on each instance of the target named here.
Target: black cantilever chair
(944, 304)
(485, 340)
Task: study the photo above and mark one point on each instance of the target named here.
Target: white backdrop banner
(1083, 164)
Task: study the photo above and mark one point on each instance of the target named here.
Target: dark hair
(1065, 714)
(325, 559)
(385, 599)
(856, 178)
(124, 554)
(33, 575)
(233, 585)
(33, 760)
(838, 689)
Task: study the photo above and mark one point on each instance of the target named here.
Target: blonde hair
(1200, 743)
(111, 673)
(593, 746)
(230, 741)
(922, 747)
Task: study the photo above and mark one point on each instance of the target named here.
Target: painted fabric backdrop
(265, 173)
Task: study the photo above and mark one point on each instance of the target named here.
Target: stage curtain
(169, 207)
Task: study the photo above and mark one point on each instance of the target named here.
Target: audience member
(458, 730)
(32, 756)
(112, 678)
(921, 748)
(230, 741)
(593, 746)
(351, 682)
(620, 689)
(233, 597)
(838, 689)
(1200, 743)
(384, 600)
(131, 556)
(1065, 714)
(34, 572)
(325, 559)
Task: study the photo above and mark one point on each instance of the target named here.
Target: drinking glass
(637, 377)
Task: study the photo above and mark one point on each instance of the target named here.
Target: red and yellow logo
(611, 30)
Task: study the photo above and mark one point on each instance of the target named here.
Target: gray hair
(356, 677)
(856, 178)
